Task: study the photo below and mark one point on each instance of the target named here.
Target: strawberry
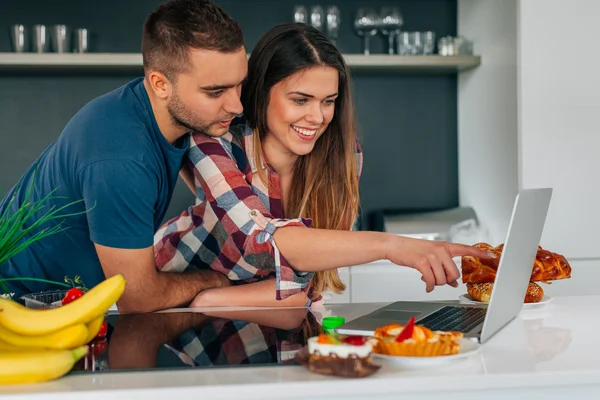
(407, 331)
(355, 340)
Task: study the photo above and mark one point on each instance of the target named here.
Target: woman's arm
(257, 294)
(325, 249)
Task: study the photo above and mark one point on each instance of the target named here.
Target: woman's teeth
(305, 132)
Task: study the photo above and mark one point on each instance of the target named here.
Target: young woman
(277, 198)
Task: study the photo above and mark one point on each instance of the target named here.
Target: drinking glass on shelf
(40, 39)
(404, 43)
(365, 25)
(19, 39)
(428, 39)
(416, 43)
(333, 22)
(81, 42)
(445, 46)
(454, 46)
(390, 22)
(60, 36)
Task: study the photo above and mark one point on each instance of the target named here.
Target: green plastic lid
(332, 322)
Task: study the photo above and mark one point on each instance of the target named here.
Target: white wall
(487, 114)
(559, 99)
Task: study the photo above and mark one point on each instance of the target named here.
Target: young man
(120, 156)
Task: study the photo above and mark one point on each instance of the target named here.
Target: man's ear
(160, 85)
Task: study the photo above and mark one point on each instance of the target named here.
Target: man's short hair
(176, 27)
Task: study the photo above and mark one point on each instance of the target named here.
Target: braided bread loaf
(547, 266)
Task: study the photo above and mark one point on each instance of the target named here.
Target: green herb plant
(17, 231)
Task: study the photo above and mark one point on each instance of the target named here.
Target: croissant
(546, 267)
(483, 292)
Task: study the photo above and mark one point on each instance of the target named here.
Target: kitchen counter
(550, 351)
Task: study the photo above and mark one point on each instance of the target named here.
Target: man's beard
(183, 117)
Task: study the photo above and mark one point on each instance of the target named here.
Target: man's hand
(433, 259)
(188, 177)
(148, 289)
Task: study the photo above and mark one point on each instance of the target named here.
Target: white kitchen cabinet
(384, 281)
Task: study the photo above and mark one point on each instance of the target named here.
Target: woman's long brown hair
(325, 183)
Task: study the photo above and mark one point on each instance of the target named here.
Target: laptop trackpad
(396, 316)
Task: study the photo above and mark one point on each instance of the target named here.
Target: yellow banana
(88, 307)
(93, 328)
(66, 338)
(9, 347)
(29, 366)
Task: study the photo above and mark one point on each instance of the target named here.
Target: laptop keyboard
(460, 319)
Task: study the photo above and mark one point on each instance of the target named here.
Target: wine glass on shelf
(317, 17)
(300, 14)
(333, 22)
(390, 23)
(365, 25)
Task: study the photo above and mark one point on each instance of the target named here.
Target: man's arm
(120, 197)
(148, 289)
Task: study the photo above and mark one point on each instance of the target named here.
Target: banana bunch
(39, 345)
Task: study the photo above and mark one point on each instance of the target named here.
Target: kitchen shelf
(427, 64)
(132, 62)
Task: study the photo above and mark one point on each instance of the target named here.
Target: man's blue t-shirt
(113, 157)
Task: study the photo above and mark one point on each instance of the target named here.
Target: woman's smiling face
(300, 109)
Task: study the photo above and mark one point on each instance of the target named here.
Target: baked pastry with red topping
(415, 341)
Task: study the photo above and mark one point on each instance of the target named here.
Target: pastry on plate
(483, 292)
(480, 274)
(547, 266)
(415, 341)
(340, 355)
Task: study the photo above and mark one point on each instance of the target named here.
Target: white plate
(467, 348)
(545, 300)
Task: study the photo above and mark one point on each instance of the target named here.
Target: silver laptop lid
(518, 256)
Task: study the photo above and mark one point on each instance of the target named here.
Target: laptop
(478, 322)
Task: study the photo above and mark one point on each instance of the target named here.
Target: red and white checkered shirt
(230, 227)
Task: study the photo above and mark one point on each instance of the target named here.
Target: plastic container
(44, 300)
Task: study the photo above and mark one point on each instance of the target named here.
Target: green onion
(13, 229)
